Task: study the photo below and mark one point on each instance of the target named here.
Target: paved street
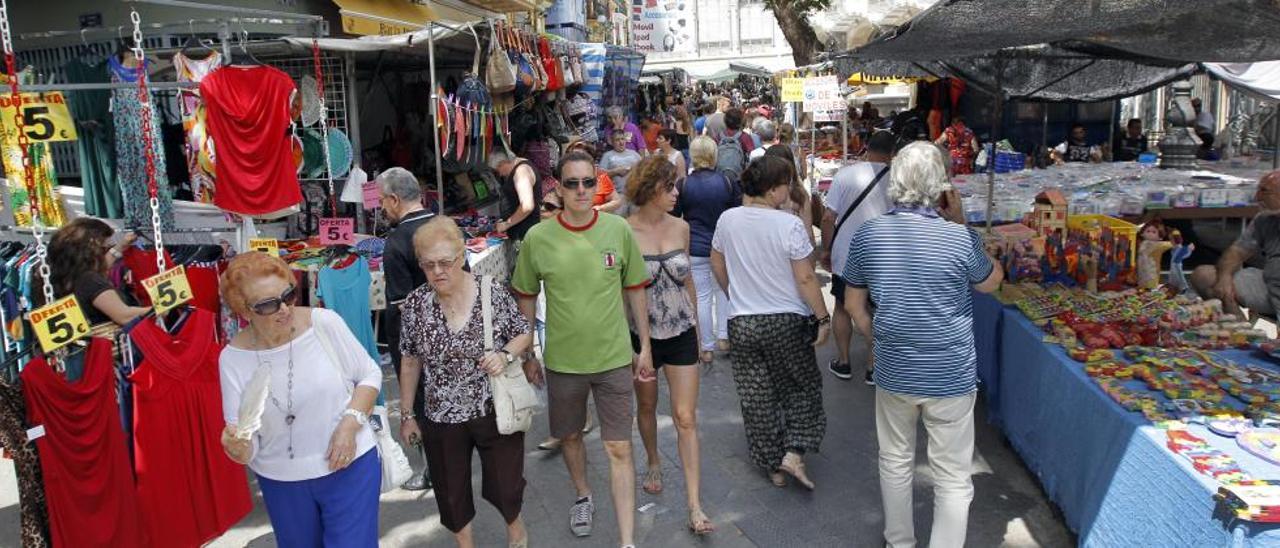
(1009, 509)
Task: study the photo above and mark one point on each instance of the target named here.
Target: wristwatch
(824, 320)
(361, 417)
(405, 416)
(510, 359)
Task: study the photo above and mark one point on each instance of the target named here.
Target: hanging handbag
(395, 465)
(549, 64)
(514, 401)
(526, 77)
(566, 67)
(499, 72)
(540, 75)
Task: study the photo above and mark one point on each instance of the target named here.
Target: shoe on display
(580, 516)
(840, 370)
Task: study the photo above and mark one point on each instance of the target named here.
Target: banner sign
(822, 93)
(662, 26)
(792, 90)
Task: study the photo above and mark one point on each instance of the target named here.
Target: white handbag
(395, 465)
(514, 401)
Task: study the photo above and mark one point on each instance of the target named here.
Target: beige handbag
(514, 401)
(499, 72)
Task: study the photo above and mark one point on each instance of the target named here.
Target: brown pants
(449, 449)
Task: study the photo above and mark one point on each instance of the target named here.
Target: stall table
(1107, 469)
(493, 261)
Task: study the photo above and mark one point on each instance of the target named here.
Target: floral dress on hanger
(131, 161)
(199, 145)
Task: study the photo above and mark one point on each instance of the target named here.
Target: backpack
(730, 159)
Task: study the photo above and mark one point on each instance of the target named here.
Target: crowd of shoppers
(701, 261)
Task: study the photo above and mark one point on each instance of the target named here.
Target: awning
(1180, 30)
(383, 17)
(1261, 79)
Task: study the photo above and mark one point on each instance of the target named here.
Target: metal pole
(353, 124)
(1111, 128)
(1275, 137)
(844, 136)
(997, 117)
(435, 132)
(1044, 131)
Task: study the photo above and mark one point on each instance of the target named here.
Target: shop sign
(371, 27)
(266, 245)
(792, 90)
(59, 324)
(660, 26)
(829, 115)
(45, 117)
(822, 93)
(168, 289)
(370, 194)
(337, 231)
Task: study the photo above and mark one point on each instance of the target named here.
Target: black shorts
(679, 350)
(838, 286)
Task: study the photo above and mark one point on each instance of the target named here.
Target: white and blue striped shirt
(918, 269)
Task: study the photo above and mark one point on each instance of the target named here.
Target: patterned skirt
(776, 369)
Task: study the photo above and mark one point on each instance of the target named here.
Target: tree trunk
(798, 32)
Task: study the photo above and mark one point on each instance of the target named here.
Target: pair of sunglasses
(573, 184)
(267, 307)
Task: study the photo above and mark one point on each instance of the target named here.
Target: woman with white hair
(705, 195)
(918, 263)
(618, 123)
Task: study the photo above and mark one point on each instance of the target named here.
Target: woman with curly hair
(80, 255)
(673, 326)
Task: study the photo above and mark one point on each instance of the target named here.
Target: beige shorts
(567, 402)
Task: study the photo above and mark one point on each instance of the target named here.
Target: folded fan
(253, 401)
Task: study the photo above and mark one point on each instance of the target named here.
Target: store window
(758, 27)
(715, 33)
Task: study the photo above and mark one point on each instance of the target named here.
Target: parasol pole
(997, 116)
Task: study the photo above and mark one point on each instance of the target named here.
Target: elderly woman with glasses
(314, 451)
(445, 362)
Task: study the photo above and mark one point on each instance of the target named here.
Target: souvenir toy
(1177, 280)
(1228, 427)
(1152, 247)
(1263, 443)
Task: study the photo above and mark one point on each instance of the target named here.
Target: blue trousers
(339, 510)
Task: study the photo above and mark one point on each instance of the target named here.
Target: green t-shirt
(583, 271)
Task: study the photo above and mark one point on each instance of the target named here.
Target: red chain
(315, 55)
(28, 170)
(144, 98)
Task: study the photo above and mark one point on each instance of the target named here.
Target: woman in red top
(961, 143)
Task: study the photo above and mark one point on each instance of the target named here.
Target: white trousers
(712, 302)
(949, 424)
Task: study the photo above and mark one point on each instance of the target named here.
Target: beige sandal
(778, 479)
(699, 523)
(522, 543)
(652, 481)
(794, 466)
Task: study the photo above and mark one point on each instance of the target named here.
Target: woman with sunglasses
(80, 255)
(442, 341)
(673, 327)
(314, 454)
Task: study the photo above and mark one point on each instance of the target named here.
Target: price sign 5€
(168, 289)
(59, 323)
(266, 245)
(337, 231)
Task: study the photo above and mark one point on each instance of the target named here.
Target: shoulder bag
(395, 465)
(501, 75)
(514, 400)
(857, 202)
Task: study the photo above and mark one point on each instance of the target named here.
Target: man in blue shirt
(918, 263)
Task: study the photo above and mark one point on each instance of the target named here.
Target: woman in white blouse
(314, 453)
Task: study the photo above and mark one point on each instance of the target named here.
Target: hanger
(192, 40)
(242, 41)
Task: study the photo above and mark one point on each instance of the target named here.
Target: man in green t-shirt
(587, 261)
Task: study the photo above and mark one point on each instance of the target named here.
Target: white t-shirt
(758, 246)
(847, 185)
(320, 396)
(613, 160)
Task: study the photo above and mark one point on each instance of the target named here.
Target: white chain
(5, 34)
(324, 136)
(140, 56)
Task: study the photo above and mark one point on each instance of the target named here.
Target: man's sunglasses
(572, 184)
(267, 307)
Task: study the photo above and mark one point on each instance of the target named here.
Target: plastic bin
(1093, 224)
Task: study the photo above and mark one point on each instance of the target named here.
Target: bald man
(1236, 285)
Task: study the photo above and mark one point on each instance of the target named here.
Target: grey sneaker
(580, 516)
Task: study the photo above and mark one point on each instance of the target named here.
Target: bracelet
(824, 320)
(405, 416)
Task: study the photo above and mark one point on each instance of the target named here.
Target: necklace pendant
(288, 419)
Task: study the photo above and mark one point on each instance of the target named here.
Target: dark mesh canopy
(1228, 31)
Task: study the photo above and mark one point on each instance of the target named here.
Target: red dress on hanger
(183, 473)
(247, 109)
(87, 477)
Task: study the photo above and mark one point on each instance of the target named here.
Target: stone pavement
(1009, 508)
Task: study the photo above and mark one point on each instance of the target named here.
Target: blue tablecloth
(987, 322)
(1107, 469)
